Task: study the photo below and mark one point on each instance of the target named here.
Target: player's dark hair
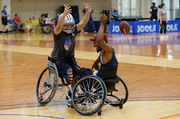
(162, 5)
(115, 10)
(4, 6)
(16, 14)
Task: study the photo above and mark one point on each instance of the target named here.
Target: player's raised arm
(58, 29)
(100, 35)
(85, 19)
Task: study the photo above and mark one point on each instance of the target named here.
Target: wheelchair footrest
(110, 91)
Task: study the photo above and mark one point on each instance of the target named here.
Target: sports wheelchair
(89, 94)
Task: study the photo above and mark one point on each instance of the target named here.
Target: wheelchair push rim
(89, 95)
(47, 85)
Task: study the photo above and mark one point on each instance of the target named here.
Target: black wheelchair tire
(103, 98)
(54, 88)
(126, 96)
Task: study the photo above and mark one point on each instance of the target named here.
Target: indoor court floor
(150, 67)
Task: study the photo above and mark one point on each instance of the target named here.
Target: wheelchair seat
(110, 79)
(110, 83)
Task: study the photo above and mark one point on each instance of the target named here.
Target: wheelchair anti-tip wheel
(89, 95)
(119, 96)
(47, 85)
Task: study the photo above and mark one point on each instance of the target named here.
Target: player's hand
(88, 7)
(103, 18)
(67, 9)
(95, 66)
(167, 21)
(160, 22)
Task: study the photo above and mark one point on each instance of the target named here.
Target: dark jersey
(109, 69)
(64, 45)
(154, 11)
(113, 62)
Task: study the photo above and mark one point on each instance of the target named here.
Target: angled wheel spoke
(83, 87)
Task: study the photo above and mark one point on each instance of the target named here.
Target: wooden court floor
(149, 66)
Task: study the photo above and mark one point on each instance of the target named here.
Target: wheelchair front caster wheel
(121, 103)
(120, 106)
(99, 113)
(70, 105)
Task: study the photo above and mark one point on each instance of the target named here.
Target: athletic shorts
(4, 21)
(64, 64)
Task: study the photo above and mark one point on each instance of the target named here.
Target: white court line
(131, 59)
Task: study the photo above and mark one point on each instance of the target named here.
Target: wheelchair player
(107, 58)
(64, 42)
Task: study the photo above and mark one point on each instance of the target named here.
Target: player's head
(16, 15)
(153, 3)
(94, 39)
(68, 23)
(5, 7)
(163, 6)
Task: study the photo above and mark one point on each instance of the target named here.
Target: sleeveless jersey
(113, 62)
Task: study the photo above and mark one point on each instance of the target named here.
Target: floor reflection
(147, 45)
(140, 45)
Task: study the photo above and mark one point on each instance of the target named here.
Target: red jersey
(17, 19)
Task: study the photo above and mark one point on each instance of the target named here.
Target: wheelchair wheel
(89, 95)
(47, 85)
(120, 96)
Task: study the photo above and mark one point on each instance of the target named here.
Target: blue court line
(164, 98)
(65, 103)
(155, 100)
(156, 97)
(32, 116)
(153, 91)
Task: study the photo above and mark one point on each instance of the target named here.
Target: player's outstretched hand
(88, 7)
(103, 18)
(67, 9)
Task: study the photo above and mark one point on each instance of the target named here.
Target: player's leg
(165, 23)
(161, 30)
(64, 69)
(72, 62)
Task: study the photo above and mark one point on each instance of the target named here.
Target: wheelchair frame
(88, 96)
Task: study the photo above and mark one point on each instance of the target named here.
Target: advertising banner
(114, 27)
(140, 27)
